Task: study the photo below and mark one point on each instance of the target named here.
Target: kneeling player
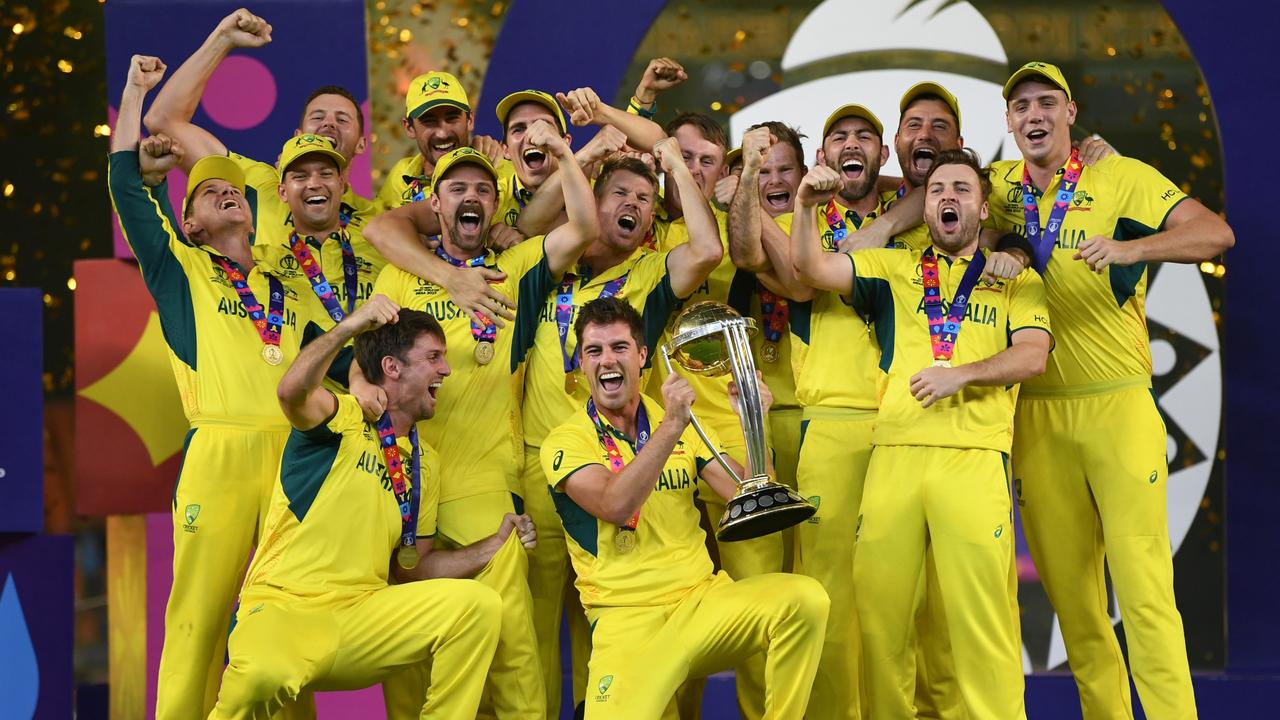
(316, 611)
(623, 475)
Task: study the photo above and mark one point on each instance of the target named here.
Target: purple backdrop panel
(250, 103)
(21, 413)
(36, 624)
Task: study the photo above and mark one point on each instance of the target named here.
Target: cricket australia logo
(189, 515)
(603, 687)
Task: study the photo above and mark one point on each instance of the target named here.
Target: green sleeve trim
(149, 231)
(800, 319)
(581, 525)
(658, 307)
(339, 369)
(307, 461)
(1053, 341)
(535, 286)
(873, 301)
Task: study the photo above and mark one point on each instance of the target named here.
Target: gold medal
(484, 352)
(407, 556)
(942, 363)
(272, 354)
(624, 541)
(570, 383)
(770, 352)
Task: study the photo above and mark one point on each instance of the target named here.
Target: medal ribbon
(611, 447)
(521, 195)
(407, 497)
(481, 333)
(417, 190)
(319, 283)
(835, 221)
(773, 310)
(564, 312)
(1044, 242)
(268, 323)
(945, 330)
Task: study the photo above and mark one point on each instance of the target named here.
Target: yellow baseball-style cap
(432, 90)
(534, 96)
(212, 167)
(731, 156)
(931, 88)
(461, 156)
(1043, 70)
(308, 144)
(852, 110)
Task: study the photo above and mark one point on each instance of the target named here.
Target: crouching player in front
(316, 611)
(623, 474)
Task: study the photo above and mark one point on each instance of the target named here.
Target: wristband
(636, 107)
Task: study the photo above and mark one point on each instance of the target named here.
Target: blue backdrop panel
(21, 413)
(36, 625)
(313, 43)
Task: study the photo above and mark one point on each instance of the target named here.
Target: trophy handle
(750, 406)
(697, 426)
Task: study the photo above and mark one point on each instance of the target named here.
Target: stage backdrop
(1135, 80)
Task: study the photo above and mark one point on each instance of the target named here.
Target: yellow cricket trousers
(514, 689)
(551, 589)
(282, 644)
(219, 503)
(1091, 479)
(641, 655)
(957, 502)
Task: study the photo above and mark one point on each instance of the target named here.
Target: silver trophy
(711, 339)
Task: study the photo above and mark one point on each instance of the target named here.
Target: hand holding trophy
(712, 339)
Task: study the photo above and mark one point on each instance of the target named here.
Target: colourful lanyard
(407, 496)
(773, 310)
(835, 221)
(902, 190)
(564, 313)
(268, 323)
(944, 331)
(319, 283)
(1046, 241)
(417, 190)
(489, 330)
(611, 448)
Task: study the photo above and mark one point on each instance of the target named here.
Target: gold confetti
(71, 284)
(65, 66)
(18, 28)
(8, 189)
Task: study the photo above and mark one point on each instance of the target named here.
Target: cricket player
(1089, 457)
(953, 349)
(623, 472)
(317, 612)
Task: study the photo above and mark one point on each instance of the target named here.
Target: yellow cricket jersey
(647, 288)
(670, 554)
(274, 224)
(408, 182)
(889, 290)
(833, 353)
(477, 422)
(1099, 319)
(214, 348)
(725, 284)
(334, 523)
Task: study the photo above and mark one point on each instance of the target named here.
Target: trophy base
(762, 507)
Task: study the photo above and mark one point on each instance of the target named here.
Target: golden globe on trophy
(711, 339)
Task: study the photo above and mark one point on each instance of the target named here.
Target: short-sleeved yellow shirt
(888, 289)
(1099, 319)
(670, 554)
(333, 522)
(477, 424)
(647, 288)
